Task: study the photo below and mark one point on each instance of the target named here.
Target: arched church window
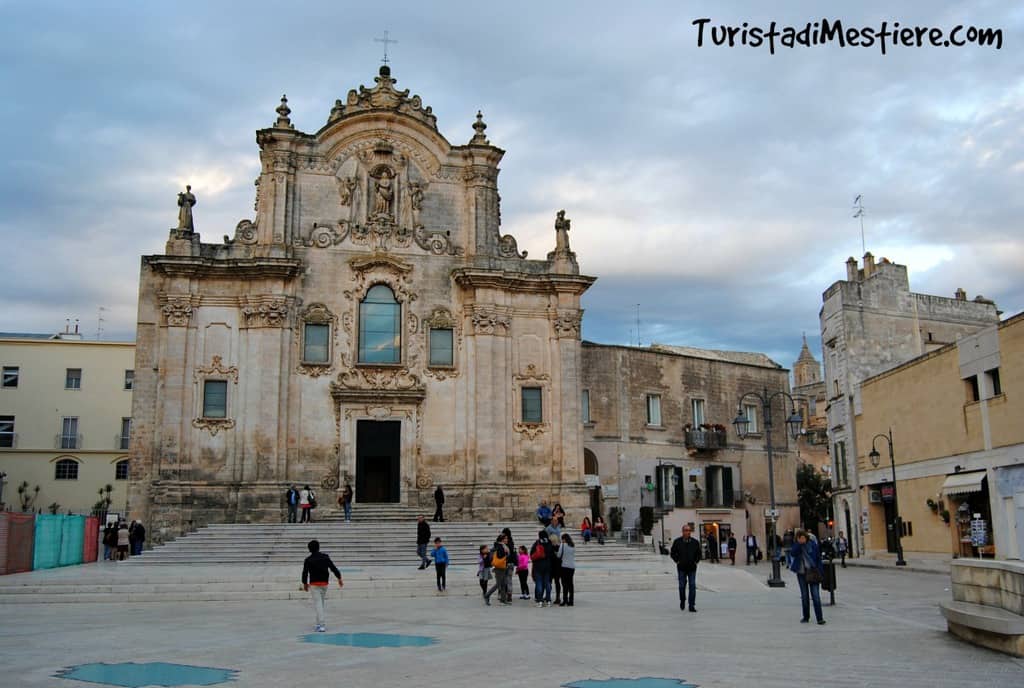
(380, 330)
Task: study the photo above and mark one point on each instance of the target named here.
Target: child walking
(483, 569)
(440, 556)
(523, 570)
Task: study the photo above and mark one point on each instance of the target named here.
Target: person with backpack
(541, 554)
(500, 556)
(523, 570)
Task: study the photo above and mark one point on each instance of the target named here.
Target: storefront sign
(888, 493)
(979, 532)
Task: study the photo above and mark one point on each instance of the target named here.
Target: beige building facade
(658, 432)
(958, 445)
(65, 421)
(871, 322)
(371, 326)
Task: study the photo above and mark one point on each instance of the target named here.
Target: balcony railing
(68, 441)
(706, 440)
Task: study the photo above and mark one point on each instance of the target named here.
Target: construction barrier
(72, 541)
(17, 538)
(49, 529)
(91, 545)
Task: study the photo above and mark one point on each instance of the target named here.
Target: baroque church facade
(370, 326)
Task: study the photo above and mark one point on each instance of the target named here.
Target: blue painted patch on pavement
(370, 639)
(646, 682)
(132, 675)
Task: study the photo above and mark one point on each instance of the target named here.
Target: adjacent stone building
(662, 417)
(871, 322)
(371, 325)
(958, 440)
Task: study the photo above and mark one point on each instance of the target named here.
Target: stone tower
(371, 326)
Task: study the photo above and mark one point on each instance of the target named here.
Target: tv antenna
(638, 324)
(858, 207)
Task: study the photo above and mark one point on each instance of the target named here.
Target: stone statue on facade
(416, 202)
(186, 200)
(561, 234)
(384, 196)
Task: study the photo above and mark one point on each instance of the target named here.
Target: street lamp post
(742, 425)
(896, 526)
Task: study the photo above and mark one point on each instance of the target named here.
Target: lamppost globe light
(874, 456)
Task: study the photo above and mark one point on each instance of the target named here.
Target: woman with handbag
(805, 562)
(307, 501)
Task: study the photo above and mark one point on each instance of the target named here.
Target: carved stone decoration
(531, 375)
(347, 189)
(329, 482)
(385, 190)
(213, 425)
(177, 309)
(438, 243)
(383, 96)
(265, 312)
(509, 248)
(217, 368)
(379, 412)
(416, 192)
(367, 377)
(424, 481)
(567, 324)
(325, 234)
(245, 233)
(315, 314)
(531, 430)
(487, 321)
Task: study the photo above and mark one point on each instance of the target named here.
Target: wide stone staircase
(376, 553)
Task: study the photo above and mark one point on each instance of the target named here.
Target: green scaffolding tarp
(59, 541)
(48, 536)
(72, 540)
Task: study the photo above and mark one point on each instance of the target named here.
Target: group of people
(803, 558)
(303, 501)
(122, 539)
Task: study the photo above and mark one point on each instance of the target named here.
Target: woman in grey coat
(567, 556)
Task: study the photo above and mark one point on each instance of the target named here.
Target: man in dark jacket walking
(439, 501)
(315, 577)
(685, 553)
(291, 498)
(422, 540)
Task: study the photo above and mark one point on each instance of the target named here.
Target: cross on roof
(385, 41)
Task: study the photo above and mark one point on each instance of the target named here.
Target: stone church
(371, 326)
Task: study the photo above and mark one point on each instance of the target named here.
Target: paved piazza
(884, 631)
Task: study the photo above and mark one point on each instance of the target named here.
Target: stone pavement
(884, 631)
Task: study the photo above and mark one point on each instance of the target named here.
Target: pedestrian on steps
(422, 540)
(439, 504)
(306, 501)
(291, 498)
(347, 496)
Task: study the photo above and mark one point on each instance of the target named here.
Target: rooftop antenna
(99, 322)
(858, 207)
(385, 41)
(638, 324)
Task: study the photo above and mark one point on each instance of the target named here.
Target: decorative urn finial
(479, 126)
(282, 114)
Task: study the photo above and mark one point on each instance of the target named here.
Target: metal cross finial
(385, 41)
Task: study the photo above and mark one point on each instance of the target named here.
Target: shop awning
(963, 483)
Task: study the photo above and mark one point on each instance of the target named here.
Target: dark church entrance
(378, 456)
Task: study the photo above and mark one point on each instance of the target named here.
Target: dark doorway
(890, 532)
(595, 503)
(378, 460)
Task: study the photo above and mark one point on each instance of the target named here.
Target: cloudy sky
(710, 185)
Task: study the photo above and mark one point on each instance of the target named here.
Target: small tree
(26, 496)
(814, 493)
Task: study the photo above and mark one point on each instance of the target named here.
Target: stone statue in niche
(416, 202)
(561, 234)
(384, 194)
(186, 200)
(347, 187)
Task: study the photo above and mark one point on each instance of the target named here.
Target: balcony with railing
(68, 441)
(706, 438)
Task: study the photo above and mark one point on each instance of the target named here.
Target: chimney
(851, 269)
(960, 294)
(869, 264)
(67, 321)
(76, 325)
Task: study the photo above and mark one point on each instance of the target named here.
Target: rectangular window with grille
(215, 399)
(129, 379)
(69, 438)
(73, 378)
(7, 431)
(121, 470)
(533, 411)
(125, 438)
